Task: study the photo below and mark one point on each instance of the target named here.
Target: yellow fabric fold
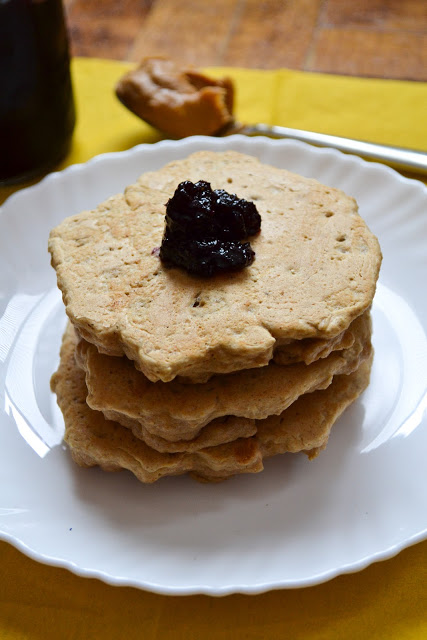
(386, 600)
(385, 111)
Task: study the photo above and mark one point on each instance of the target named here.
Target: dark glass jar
(36, 101)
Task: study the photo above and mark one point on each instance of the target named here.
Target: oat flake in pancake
(315, 271)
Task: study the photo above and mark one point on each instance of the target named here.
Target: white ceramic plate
(298, 523)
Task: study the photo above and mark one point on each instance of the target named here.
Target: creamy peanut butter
(179, 101)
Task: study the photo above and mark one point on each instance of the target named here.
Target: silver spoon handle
(399, 157)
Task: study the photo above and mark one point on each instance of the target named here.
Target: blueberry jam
(205, 228)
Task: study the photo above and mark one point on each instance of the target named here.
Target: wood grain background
(377, 38)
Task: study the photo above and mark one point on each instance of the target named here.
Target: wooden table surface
(376, 38)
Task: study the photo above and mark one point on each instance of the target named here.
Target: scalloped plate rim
(254, 588)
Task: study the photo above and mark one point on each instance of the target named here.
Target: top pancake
(315, 271)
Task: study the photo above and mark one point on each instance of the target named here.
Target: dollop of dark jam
(205, 228)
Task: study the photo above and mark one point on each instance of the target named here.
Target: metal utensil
(398, 157)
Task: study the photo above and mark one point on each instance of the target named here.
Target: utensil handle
(399, 157)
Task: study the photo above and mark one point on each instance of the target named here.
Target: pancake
(175, 411)
(315, 271)
(306, 425)
(93, 440)
(311, 349)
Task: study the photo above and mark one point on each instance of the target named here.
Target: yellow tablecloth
(386, 600)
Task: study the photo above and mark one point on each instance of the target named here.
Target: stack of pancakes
(164, 373)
